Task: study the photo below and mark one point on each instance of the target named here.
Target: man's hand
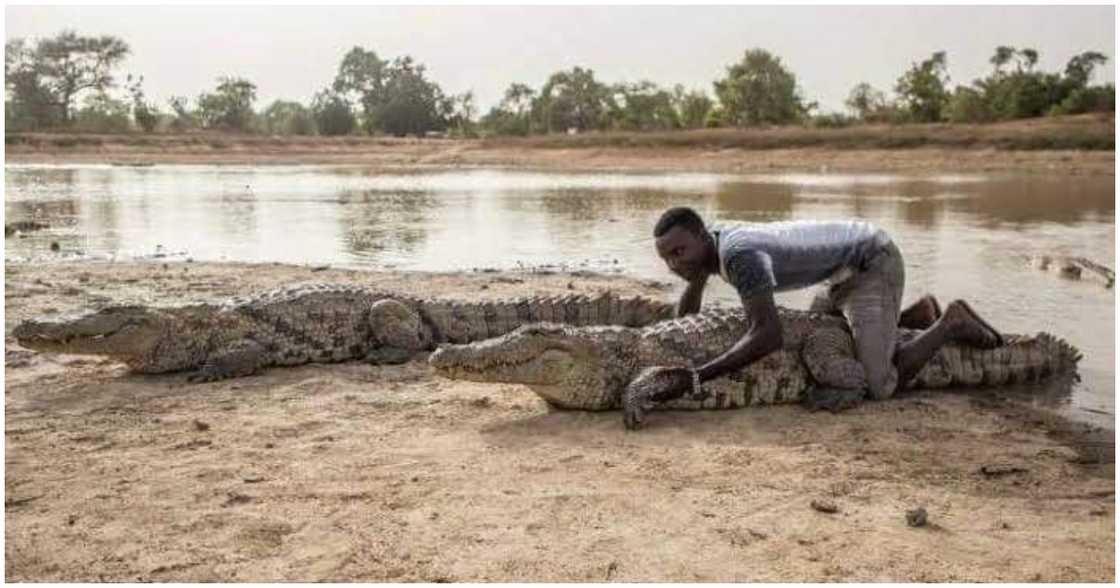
(692, 297)
(655, 384)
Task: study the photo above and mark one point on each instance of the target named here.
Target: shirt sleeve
(750, 272)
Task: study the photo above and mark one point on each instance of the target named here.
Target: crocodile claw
(832, 399)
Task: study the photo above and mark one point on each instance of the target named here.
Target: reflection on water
(962, 236)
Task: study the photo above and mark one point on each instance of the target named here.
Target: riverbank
(1072, 145)
(352, 472)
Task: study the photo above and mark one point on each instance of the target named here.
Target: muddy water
(962, 235)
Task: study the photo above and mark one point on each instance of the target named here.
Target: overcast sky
(291, 52)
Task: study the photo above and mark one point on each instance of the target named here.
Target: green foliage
(717, 117)
(394, 97)
(412, 105)
(29, 104)
(642, 106)
(230, 106)
(362, 79)
(145, 115)
(332, 114)
(922, 89)
(100, 113)
(572, 100)
(833, 120)
(1014, 90)
(1091, 99)
(760, 90)
(287, 118)
(967, 105)
(183, 118)
(868, 104)
(512, 116)
(692, 108)
(44, 81)
(69, 64)
(462, 116)
(1080, 68)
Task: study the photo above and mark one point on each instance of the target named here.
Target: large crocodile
(310, 323)
(1075, 268)
(591, 367)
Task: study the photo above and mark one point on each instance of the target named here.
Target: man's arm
(692, 297)
(763, 337)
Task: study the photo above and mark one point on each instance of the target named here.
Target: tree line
(70, 82)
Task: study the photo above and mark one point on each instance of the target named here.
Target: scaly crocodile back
(1024, 358)
(331, 322)
(464, 322)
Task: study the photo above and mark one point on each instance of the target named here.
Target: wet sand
(353, 472)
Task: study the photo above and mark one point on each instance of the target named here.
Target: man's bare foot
(965, 326)
(921, 315)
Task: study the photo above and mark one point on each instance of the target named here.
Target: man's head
(684, 243)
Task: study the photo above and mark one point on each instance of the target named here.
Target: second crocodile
(309, 323)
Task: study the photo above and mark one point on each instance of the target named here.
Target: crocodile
(309, 323)
(1075, 268)
(597, 367)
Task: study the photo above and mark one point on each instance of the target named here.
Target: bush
(833, 120)
(102, 114)
(1090, 99)
(968, 106)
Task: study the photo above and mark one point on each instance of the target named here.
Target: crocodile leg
(841, 383)
(243, 359)
(398, 333)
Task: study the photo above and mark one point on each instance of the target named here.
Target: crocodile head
(582, 368)
(123, 332)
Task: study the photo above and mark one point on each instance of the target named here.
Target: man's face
(685, 253)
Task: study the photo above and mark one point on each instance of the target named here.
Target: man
(864, 274)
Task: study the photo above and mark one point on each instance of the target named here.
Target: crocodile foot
(832, 399)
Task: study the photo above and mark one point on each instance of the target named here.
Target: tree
(230, 106)
(412, 105)
(572, 99)
(643, 106)
(184, 118)
(518, 98)
(69, 64)
(511, 115)
(1088, 99)
(866, 102)
(760, 90)
(28, 103)
(332, 114)
(101, 113)
(1080, 68)
(145, 115)
(967, 105)
(1002, 57)
(922, 88)
(288, 118)
(362, 78)
(394, 97)
(464, 111)
(692, 107)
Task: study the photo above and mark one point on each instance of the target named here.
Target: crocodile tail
(1022, 359)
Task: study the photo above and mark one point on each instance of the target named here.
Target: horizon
(619, 43)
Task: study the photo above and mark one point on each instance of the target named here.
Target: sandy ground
(439, 154)
(353, 472)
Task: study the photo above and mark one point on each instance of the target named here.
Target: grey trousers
(871, 301)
